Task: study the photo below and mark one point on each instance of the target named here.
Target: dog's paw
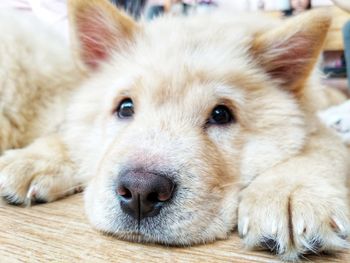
(27, 178)
(293, 223)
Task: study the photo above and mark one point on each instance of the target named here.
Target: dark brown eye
(125, 109)
(221, 115)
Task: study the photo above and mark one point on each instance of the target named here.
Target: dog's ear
(98, 29)
(289, 52)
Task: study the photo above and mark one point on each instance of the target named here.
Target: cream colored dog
(184, 128)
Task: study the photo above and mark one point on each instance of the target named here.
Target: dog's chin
(154, 231)
(137, 237)
(167, 228)
(166, 240)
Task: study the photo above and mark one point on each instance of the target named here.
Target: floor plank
(59, 232)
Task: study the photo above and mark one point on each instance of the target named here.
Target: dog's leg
(41, 172)
(299, 206)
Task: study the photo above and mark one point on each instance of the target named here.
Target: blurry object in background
(334, 65)
(343, 4)
(132, 7)
(253, 5)
(181, 7)
(234, 6)
(198, 6)
(318, 3)
(155, 8)
(205, 6)
(261, 5)
(189, 7)
(338, 118)
(346, 37)
(297, 7)
(279, 5)
(53, 13)
(16, 4)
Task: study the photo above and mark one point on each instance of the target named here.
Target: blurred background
(336, 50)
(336, 54)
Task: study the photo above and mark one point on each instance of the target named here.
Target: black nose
(142, 194)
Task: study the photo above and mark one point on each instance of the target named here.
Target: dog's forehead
(174, 55)
(191, 43)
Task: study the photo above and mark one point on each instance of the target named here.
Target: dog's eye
(220, 115)
(125, 109)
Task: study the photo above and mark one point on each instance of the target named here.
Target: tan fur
(38, 80)
(276, 172)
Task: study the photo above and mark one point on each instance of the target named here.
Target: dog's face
(180, 116)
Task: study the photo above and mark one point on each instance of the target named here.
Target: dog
(183, 129)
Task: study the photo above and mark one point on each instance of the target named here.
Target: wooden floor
(59, 232)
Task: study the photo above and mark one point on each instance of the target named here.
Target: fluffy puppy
(185, 128)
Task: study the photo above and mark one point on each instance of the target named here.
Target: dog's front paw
(29, 177)
(293, 222)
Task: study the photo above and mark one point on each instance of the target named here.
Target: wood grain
(59, 232)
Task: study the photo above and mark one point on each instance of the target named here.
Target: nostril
(153, 197)
(124, 192)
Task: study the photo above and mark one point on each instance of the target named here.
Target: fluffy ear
(98, 29)
(289, 52)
